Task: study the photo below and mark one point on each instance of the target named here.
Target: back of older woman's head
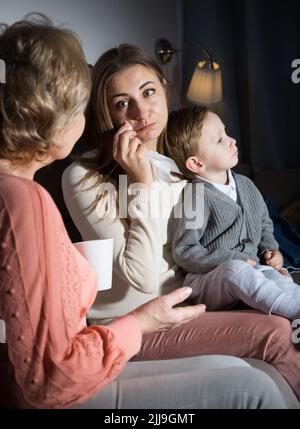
(47, 86)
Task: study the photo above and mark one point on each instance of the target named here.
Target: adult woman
(51, 359)
(126, 116)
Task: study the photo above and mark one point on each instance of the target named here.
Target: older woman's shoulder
(12, 186)
(18, 193)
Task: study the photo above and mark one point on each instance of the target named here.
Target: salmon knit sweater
(46, 289)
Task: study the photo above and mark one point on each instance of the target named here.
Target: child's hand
(274, 258)
(251, 262)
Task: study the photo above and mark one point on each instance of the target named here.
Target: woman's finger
(125, 127)
(188, 319)
(141, 149)
(133, 146)
(184, 314)
(122, 129)
(176, 296)
(121, 143)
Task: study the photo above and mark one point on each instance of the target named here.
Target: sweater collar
(218, 193)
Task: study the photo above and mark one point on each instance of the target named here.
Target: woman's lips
(145, 128)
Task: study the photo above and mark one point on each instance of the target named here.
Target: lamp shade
(206, 84)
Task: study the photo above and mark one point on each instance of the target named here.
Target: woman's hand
(129, 152)
(159, 314)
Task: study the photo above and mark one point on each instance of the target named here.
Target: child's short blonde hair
(47, 86)
(182, 136)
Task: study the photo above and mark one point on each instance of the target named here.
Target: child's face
(216, 150)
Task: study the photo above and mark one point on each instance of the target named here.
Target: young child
(230, 253)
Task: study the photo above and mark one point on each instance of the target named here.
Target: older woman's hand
(159, 314)
(129, 152)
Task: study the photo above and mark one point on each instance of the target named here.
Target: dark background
(255, 42)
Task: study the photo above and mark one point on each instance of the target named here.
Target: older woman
(127, 114)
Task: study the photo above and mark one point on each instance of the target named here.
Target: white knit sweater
(143, 267)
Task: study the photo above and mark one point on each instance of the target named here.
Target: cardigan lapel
(218, 194)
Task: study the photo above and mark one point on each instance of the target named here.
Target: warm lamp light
(206, 84)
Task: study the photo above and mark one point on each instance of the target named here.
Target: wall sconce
(206, 84)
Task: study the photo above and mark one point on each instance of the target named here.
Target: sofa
(283, 185)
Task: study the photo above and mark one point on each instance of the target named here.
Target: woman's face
(136, 95)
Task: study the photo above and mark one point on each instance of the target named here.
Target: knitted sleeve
(55, 364)
(137, 234)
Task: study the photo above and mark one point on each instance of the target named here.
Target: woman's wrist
(138, 315)
(122, 325)
(142, 182)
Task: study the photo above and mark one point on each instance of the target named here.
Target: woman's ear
(194, 164)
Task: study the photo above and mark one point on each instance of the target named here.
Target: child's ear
(195, 165)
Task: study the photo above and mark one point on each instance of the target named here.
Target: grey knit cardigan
(225, 229)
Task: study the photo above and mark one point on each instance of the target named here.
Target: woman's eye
(149, 92)
(123, 104)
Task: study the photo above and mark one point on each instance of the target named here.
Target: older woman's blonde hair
(47, 86)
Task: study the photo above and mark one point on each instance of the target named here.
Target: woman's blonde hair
(99, 129)
(47, 86)
(182, 135)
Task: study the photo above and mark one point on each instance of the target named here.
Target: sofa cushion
(286, 391)
(281, 185)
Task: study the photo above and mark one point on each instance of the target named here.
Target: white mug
(99, 254)
(2, 332)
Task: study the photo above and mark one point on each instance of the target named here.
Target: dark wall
(255, 41)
